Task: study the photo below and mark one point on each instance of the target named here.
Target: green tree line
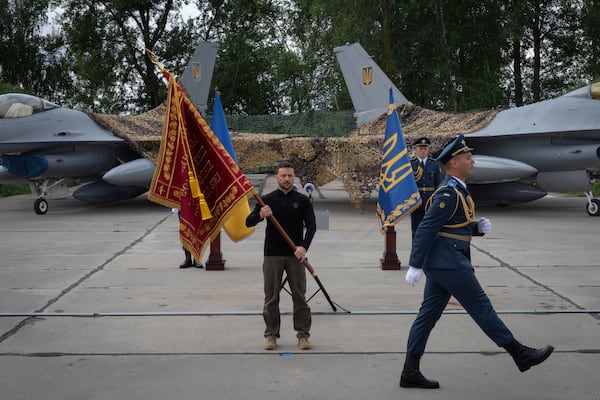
(276, 56)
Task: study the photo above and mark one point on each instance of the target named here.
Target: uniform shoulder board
(452, 183)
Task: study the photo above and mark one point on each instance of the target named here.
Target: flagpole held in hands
(293, 246)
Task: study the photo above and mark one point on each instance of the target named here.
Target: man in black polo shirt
(294, 212)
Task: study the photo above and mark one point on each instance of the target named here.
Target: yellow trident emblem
(392, 169)
(367, 75)
(196, 71)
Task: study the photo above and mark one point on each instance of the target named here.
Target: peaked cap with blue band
(456, 147)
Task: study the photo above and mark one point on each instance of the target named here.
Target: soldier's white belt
(464, 238)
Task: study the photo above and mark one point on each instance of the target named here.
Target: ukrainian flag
(235, 225)
(398, 192)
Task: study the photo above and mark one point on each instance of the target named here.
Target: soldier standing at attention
(441, 249)
(428, 175)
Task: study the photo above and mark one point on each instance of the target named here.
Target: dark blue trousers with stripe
(464, 286)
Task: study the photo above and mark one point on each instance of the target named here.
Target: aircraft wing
(575, 115)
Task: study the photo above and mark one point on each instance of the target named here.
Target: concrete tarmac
(93, 305)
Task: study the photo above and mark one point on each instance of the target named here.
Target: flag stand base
(215, 260)
(390, 259)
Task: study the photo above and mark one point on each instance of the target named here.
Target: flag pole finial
(154, 58)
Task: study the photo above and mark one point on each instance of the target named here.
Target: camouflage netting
(353, 159)
(142, 132)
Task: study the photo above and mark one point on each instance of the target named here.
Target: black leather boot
(188, 260)
(526, 357)
(412, 377)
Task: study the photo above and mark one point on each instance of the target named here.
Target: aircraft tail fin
(198, 74)
(368, 85)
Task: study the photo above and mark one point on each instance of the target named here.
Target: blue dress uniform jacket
(441, 246)
(442, 240)
(428, 179)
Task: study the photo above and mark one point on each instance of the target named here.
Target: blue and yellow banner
(398, 192)
(235, 225)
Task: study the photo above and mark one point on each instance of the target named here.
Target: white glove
(413, 275)
(484, 225)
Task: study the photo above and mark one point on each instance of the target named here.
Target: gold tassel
(197, 194)
(204, 210)
(194, 186)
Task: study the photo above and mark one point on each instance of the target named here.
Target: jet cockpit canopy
(15, 105)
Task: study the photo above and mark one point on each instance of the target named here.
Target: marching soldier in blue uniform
(441, 250)
(428, 175)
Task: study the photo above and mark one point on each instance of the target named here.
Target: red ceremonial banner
(186, 135)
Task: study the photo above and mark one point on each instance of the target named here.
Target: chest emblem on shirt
(442, 204)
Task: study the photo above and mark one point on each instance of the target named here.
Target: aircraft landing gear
(40, 206)
(47, 187)
(593, 205)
